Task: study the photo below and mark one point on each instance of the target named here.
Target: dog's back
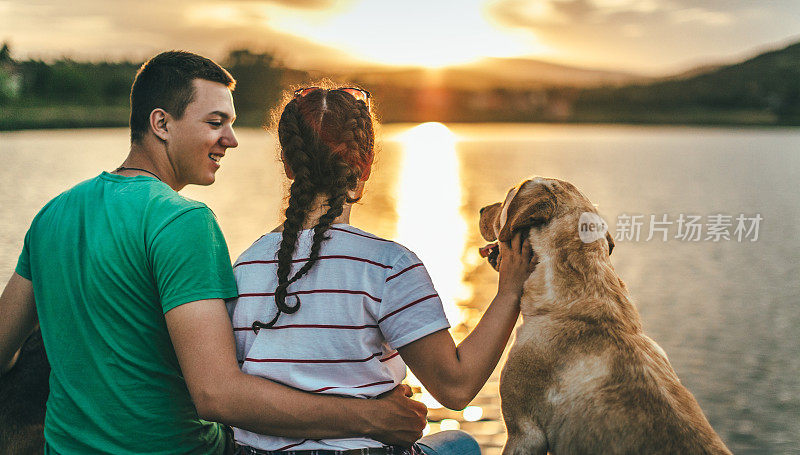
(637, 406)
(23, 394)
(612, 392)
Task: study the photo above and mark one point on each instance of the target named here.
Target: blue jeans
(450, 442)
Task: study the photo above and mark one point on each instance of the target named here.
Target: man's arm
(202, 335)
(18, 319)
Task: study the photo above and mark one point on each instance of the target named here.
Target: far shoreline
(86, 117)
(68, 126)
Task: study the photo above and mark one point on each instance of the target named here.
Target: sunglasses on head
(357, 93)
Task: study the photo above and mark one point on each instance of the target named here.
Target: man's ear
(530, 207)
(158, 123)
(610, 243)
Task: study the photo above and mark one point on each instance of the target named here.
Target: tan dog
(581, 377)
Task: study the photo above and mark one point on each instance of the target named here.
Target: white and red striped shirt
(363, 299)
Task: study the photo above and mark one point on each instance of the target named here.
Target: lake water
(726, 312)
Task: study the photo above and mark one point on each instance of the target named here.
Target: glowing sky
(648, 36)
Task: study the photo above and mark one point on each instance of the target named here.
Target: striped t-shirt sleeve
(410, 308)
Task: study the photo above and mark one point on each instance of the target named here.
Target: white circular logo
(591, 227)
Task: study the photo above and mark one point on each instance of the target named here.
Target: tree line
(763, 90)
(66, 82)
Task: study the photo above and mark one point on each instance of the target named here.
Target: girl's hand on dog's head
(515, 264)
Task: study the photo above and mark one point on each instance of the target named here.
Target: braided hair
(327, 140)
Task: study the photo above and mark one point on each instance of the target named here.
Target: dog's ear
(610, 243)
(488, 218)
(529, 207)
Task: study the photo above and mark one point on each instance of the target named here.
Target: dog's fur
(23, 398)
(582, 377)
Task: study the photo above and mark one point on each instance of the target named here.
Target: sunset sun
(429, 34)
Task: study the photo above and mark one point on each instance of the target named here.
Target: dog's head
(552, 212)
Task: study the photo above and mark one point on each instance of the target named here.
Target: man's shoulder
(164, 206)
(150, 192)
(150, 200)
(165, 201)
(65, 196)
(78, 188)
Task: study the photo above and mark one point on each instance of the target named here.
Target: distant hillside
(487, 74)
(692, 72)
(520, 72)
(766, 86)
(763, 90)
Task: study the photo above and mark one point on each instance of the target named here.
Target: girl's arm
(454, 374)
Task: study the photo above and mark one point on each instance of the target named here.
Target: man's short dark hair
(165, 81)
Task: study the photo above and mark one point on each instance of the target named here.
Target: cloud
(300, 4)
(574, 9)
(662, 35)
(526, 13)
(137, 30)
(703, 16)
(609, 12)
(658, 35)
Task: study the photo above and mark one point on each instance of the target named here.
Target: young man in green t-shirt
(129, 280)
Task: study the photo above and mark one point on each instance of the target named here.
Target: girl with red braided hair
(328, 308)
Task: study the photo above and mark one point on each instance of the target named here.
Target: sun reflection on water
(430, 223)
(428, 208)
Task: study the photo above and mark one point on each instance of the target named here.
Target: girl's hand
(454, 375)
(516, 262)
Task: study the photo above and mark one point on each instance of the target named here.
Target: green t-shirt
(107, 259)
